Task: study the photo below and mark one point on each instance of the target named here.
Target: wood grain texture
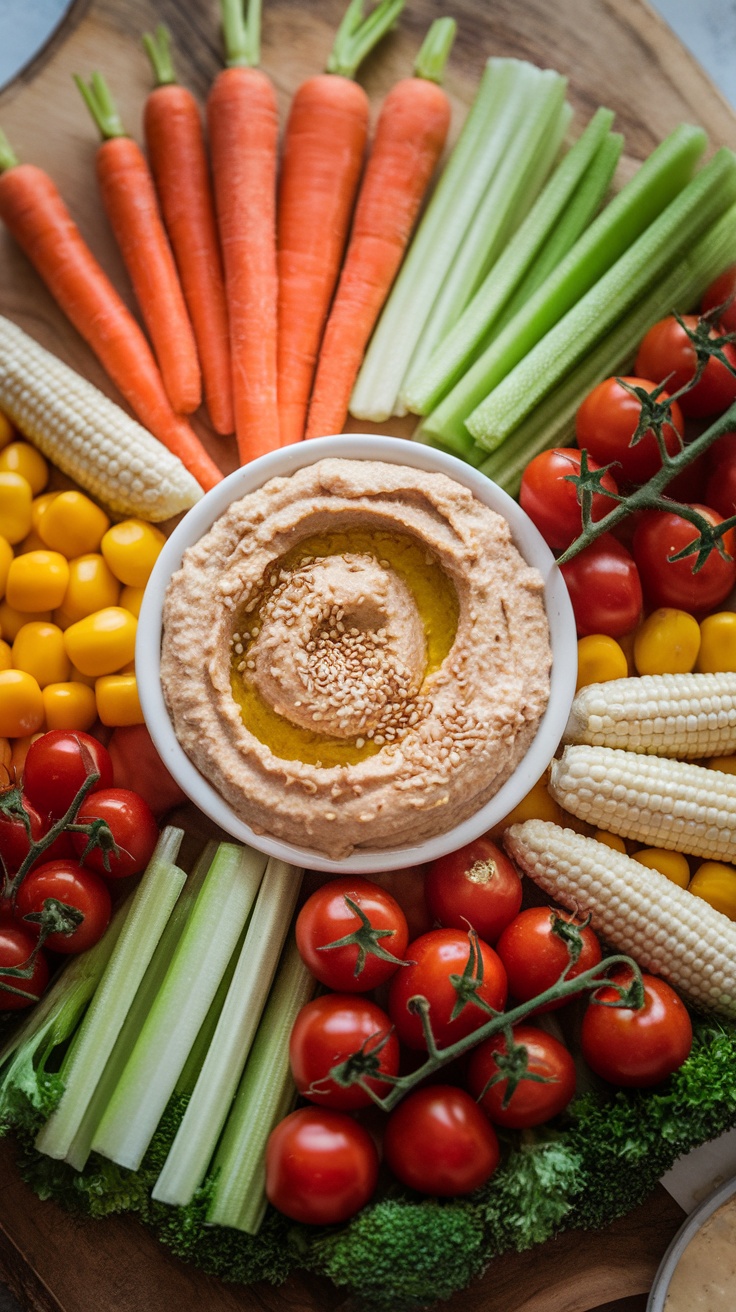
(614, 52)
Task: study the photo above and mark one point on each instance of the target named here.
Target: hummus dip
(356, 656)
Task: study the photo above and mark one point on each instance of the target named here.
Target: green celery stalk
(553, 422)
(181, 1005)
(665, 240)
(265, 1096)
(425, 386)
(659, 180)
(150, 909)
(207, 1109)
(199, 1049)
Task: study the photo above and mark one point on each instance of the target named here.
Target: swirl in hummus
(356, 656)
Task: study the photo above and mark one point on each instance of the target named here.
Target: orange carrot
(129, 198)
(410, 136)
(322, 162)
(38, 219)
(242, 117)
(178, 160)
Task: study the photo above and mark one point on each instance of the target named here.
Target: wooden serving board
(614, 52)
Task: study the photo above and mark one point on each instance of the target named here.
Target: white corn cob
(638, 911)
(684, 715)
(672, 804)
(86, 435)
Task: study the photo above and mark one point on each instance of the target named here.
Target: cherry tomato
(137, 765)
(438, 1141)
(551, 501)
(605, 589)
(15, 839)
(477, 886)
(607, 421)
(723, 289)
(327, 917)
(532, 1102)
(720, 489)
(326, 1032)
(58, 764)
(321, 1166)
(132, 825)
(667, 350)
(71, 884)
(659, 535)
(637, 1048)
(407, 886)
(16, 946)
(434, 958)
(534, 955)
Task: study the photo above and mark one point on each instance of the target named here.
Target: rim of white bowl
(687, 1232)
(282, 463)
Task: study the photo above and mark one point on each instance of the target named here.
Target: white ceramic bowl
(282, 463)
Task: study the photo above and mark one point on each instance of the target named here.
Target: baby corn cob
(670, 804)
(683, 715)
(638, 911)
(90, 438)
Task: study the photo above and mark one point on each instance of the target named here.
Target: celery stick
(553, 422)
(661, 177)
(425, 386)
(266, 1094)
(203, 952)
(206, 1113)
(151, 907)
(199, 1049)
(665, 240)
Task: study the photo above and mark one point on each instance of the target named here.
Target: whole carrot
(178, 159)
(410, 136)
(322, 162)
(36, 216)
(129, 198)
(242, 117)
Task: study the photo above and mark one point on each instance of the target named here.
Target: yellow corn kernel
(131, 550)
(6, 560)
(600, 658)
(610, 840)
(76, 676)
(22, 458)
(69, 706)
(39, 650)
(131, 598)
(37, 581)
(12, 620)
(6, 656)
(15, 507)
(673, 865)
(717, 653)
(667, 642)
(30, 543)
(117, 700)
(715, 882)
(103, 642)
(21, 704)
(92, 586)
(20, 748)
(727, 764)
(7, 432)
(73, 524)
(39, 506)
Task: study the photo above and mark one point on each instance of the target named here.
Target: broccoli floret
(530, 1198)
(220, 1251)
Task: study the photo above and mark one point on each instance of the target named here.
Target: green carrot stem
(157, 46)
(241, 32)
(357, 35)
(8, 157)
(435, 50)
(101, 106)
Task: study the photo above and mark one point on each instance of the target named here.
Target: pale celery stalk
(207, 1109)
(265, 1096)
(181, 1005)
(659, 180)
(553, 422)
(150, 909)
(426, 385)
(464, 180)
(666, 240)
(199, 1049)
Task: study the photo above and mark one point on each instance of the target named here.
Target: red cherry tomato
(16, 946)
(70, 883)
(327, 917)
(607, 421)
(637, 1048)
(534, 955)
(533, 1101)
(321, 1166)
(407, 886)
(326, 1032)
(477, 886)
(604, 587)
(15, 839)
(667, 350)
(137, 765)
(133, 828)
(438, 1141)
(720, 488)
(434, 958)
(658, 536)
(723, 290)
(58, 764)
(551, 501)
